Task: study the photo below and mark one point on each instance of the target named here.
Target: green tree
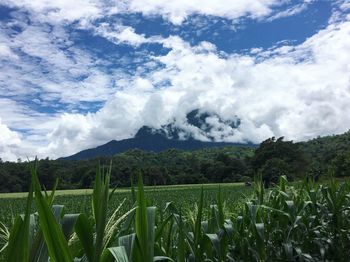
(286, 151)
(273, 169)
(341, 164)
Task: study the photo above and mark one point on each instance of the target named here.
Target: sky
(77, 74)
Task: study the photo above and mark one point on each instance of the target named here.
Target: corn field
(304, 222)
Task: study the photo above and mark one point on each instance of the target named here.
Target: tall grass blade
(84, 231)
(17, 249)
(198, 229)
(119, 254)
(55, 240)
(128, 242)
(141, 222)
(4, 237)
(100, 206)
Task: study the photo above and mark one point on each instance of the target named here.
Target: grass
(79, 200)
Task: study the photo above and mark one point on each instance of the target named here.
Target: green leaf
(181, 244)
(128, 242)
(160, 228)
(84, 231)
(4, 237)
(55, 240)
(221, 209)
(18, 245)
(119, 254)
(198, 229)
(151, 217)
(141, 224)
(162, 258)
(67, 223)
(100, 200)
(215, 243)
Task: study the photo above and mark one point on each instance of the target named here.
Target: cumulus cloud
(66, 11)
(177, 11)
(9, 142)
(59, 11)
(296, 91)
(120, 34)
(280, 95)
(6, 52)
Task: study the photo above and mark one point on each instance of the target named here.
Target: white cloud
(296, 91)
(340, 11)
(19, 116)
(59, 11)
(276, 96)
(6, 52)
(118, 119)
(84, 11)
(177, 11)
(290, 11)
(9, 142)
(39, 49)
(120, 34)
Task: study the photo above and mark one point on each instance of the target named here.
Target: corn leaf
(18, 245)
(84, 231)
(54, 238)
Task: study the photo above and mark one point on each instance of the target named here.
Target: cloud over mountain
(77, 78)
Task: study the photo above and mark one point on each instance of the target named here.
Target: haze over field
(77, 74)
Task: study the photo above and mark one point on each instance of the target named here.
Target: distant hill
(323, 150)
(179, 162)
(148, 139)
(182, 136)
(201, 125)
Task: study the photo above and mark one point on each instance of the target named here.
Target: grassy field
(184, 196)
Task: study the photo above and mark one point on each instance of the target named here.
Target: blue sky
(76, 74)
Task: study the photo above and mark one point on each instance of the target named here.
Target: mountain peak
(198, 125)
(198, 131)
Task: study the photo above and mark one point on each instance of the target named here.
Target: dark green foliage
(287, 151)
(276, 157)
(326, 153)
(315, 158)
(168, 167)
(273, 169)
(341, 164)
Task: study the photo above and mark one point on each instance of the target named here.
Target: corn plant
(97, 234)
(47, 234)
(302, 222)
(4, 237)
(38, 236)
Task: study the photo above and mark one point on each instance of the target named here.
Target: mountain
(148, 140)
(168, 136)
(200, 125)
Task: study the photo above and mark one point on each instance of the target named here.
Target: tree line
(273, 158)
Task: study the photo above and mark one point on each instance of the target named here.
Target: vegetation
(170, 167)
(304, 222)
(324, 154)
(79, 201)
(274, 157)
